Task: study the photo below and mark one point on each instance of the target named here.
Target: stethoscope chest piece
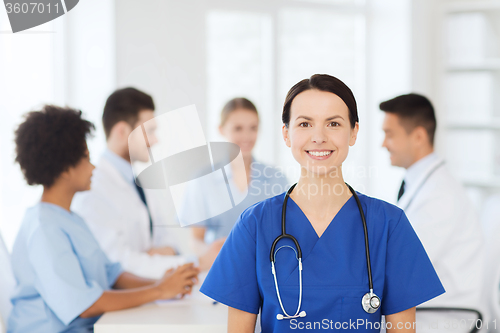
(370, 302)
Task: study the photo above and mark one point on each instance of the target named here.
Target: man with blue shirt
(122, 215)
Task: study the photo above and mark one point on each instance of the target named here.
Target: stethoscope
(370, 302)
(429, 174)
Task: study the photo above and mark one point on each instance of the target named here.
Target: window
(273, 50)
(28, 67)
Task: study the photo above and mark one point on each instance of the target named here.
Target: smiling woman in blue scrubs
(64, 280)
(320, 124)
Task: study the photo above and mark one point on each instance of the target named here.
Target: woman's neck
(321, 191)
(248, 162)
(242, 174)
(58, 195)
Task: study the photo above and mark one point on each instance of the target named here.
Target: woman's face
(241, 128)
(319, 133)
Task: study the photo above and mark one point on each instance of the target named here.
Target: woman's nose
(319, 136)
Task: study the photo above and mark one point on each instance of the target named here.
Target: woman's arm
(403, 321)
(240, 321)
(112, 300)
(128, 280)
(172, 284)
(199, 233)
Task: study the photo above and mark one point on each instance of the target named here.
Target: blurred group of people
(91, 244)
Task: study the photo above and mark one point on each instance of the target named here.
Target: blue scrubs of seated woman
(64, 280)
(320, 124)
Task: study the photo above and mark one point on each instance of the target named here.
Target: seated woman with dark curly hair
(64, 280)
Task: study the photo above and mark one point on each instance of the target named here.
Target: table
(196, 313)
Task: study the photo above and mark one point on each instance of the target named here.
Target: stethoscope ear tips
(302, 314)
(279, 316)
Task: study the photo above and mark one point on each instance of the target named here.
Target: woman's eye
(334, 124)
(304, 124)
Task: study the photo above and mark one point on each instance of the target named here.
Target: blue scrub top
(60, 271)
(334, 272)
(265, 182)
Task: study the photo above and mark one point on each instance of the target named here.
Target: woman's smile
(319, 154)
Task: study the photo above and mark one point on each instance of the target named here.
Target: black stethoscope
(370, 302)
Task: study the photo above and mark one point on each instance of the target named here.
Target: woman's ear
(354, 134)
(65, 175)
(284, 131)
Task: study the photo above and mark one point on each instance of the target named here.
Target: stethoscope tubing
(367, 244)
(369, 297)
(429, 174)
(283, 228)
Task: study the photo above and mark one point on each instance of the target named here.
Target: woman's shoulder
(48, 219)
(376, 203)
(260, 211)
(257, 210)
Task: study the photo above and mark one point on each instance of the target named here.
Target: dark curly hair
(49, 142)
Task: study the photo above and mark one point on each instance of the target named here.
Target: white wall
(26, 80)
(161, 48)
(90, 62)
(389, 75)
(425, 57)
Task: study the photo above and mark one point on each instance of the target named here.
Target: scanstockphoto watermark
(362, 324)
(321, 171)
(358, 324)
(258, 187)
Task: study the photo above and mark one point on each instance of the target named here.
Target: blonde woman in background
(240, 125)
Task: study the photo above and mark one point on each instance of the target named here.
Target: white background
(206, 52)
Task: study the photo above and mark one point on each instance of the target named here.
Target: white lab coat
(490, 219)
(445, 221)
(119, 221)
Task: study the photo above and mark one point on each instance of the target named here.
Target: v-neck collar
(331, 222)
(308, 238)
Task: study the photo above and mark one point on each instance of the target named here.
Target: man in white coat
(436, 203)
(121, 214)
